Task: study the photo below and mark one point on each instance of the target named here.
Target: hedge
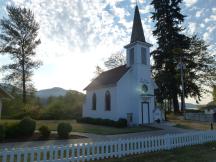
(121, 123)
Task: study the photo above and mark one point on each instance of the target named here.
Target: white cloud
(192, 27)
(199, 13)
(190, 3)
(213, 17)
(206, 36)
(202, 25)
(214, 10)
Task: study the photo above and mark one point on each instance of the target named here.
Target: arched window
(107, 101)
(94, 102)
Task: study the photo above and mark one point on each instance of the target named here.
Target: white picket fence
(107, 149)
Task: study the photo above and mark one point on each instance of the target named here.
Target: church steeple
(137, 31)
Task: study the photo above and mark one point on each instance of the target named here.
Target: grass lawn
(88, 128)
(181, 123)
(197, 153)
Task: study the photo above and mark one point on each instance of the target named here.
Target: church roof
(110, 77)
(137, 31)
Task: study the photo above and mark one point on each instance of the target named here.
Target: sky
(78, 35)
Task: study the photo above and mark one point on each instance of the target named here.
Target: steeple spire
(137, 31)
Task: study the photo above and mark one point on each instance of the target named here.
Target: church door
(145, 112)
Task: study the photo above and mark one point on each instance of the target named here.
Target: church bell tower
(138, 54)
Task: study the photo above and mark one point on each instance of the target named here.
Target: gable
(110, 77)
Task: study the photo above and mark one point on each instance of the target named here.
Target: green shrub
(2, 132)
(44, 131)
(12, 130)
(26, 127)
(193, 111)
(121, 123)
(64, 129)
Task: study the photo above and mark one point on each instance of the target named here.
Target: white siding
(100, 111)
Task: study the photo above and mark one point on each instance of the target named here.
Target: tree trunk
(175, 103)
(182, 102)
(24, 87)
(165, 111)
(23, 78)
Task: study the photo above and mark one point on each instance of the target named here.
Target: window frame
(131, 53)
(143, 55)
(107, 99)
(94, 101)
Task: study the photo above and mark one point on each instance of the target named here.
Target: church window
(143, 56)
(131, 56)
(107, 101)
(94, 102)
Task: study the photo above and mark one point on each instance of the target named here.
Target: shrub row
(63, 130)
(26, 127)
(121, 123)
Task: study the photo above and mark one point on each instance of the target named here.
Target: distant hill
(55, 92)
(190, 106)
(9, 88)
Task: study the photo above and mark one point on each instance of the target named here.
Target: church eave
(138, 42)
(100, 87)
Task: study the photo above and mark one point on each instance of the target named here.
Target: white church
(126, 91)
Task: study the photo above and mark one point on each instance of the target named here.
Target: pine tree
(18, 38)
(168, 18)
(199, 63)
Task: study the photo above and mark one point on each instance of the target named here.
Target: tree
(18, 38)
(97, 72)
(168, 17)
(200, 69)
(115, 60)
(214, 93)
(200, 64)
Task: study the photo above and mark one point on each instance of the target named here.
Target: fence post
(32, 155)
(44, 154)
(12, 155)
(51, 152)
(167, 139)
(102, 150)
(4, 155)
(88, 152)
(67, 152)
(73, 152)
(107, 149)
(18, 155)
(118, 148)
(25, 154)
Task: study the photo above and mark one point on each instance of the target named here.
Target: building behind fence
(200, 117)
(106, 149)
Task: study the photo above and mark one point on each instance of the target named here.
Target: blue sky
(77, 35)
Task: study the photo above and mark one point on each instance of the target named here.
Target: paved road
(166, 128)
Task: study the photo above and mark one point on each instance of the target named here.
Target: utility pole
(182, 84)
(181, 66)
